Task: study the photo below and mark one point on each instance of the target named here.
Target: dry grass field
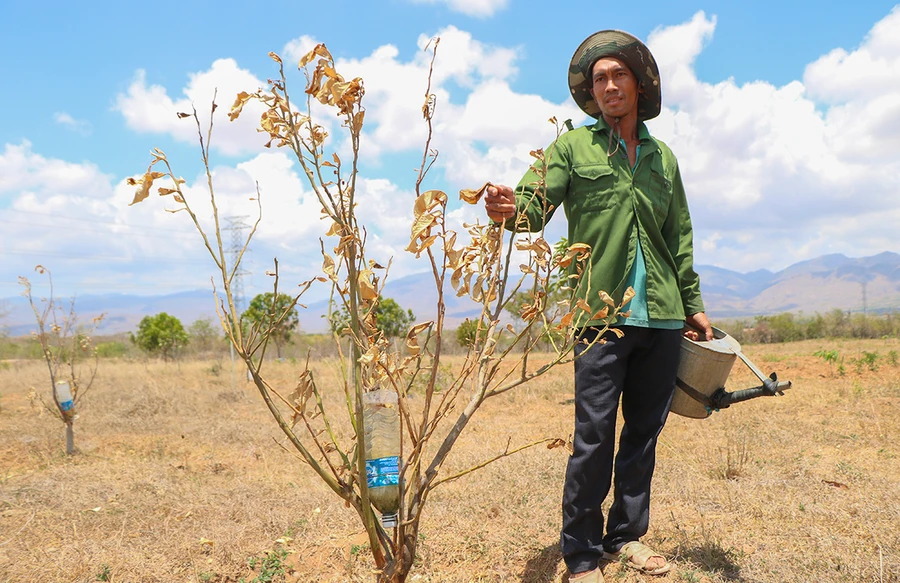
(179, 477)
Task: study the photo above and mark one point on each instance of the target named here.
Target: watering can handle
(770, 383)
(759, 374)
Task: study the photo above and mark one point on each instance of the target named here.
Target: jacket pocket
(592, 186)
(660, 195)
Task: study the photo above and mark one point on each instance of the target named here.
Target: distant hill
(818, 285)
(123, 311)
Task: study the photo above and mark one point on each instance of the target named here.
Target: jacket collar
(643, 133)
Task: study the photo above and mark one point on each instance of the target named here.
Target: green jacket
(608, 207)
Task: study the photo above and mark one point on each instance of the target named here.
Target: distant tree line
(203, 338)
(790, 327)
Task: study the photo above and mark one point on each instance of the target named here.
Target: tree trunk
(397, 570)
(70, 437)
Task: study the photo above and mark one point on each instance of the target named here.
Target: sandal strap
(639, 553)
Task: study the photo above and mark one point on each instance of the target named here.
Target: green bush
(161, 334)
(112, 349)
(465, 334)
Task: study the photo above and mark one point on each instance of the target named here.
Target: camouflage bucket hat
(629, 50)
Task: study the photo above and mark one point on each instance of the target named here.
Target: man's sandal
(636, 555)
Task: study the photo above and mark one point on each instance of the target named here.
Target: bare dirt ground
(179, 477)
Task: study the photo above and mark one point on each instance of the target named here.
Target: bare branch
(506, 453)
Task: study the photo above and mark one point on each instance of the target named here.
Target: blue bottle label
(384, 471)
(65, 405)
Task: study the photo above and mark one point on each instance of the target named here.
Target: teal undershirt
(637, 279)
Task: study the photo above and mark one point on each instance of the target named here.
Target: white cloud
(490, 136)
(150, 108)
(492, 115)
(76, 125)
(71, 218)
(771, 177)
(483, 129)
(395, 90)
(294, 50)
(466, 60)
(872, 70)
(675, 49)
(22, 170)
(477, 8)
(862, 88)
(75, 220)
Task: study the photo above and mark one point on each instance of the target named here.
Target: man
(622, 194)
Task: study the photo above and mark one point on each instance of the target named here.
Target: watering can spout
(702, 370)
(722, 399)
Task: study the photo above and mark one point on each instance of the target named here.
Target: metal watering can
(704, 367)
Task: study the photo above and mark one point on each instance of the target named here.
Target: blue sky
(785, 117)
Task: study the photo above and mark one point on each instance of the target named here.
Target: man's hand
(500, 202)
(700, 322)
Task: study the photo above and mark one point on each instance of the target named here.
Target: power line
(183, 235)
(93, 221)
(64, 283)
(88, 257)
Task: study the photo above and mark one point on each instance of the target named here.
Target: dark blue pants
(640, 368)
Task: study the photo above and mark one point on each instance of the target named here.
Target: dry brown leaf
(427, 212)
(301, 394)
(328, 267)
(319, 50)
(629, 294)
(143, 190)
(556, 443)
(422, 224)
(238, 105)
(578, 251)
(429, 200)
(473, 195)
(370, 356)
(606, 299)
(412, 337)
(601, 314)
(356, 126)
(367, 289)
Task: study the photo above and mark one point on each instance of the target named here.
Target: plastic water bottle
(382, 435)
(64, 397)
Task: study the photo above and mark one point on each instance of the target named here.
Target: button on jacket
(608, 206)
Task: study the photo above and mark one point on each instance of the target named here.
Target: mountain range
(817, 285)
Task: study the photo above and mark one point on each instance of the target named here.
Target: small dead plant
(734, 455)
(68, 351)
